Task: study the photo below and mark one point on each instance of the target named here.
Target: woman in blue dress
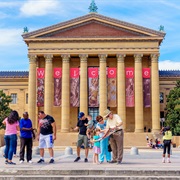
(104, 142)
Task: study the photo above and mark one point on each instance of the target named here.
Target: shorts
(46, 141)
(82, 139)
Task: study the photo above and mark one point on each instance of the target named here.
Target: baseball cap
(81, 114)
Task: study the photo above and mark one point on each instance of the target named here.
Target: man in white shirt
(114, 123)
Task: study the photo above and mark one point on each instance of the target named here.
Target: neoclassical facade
(101, 42)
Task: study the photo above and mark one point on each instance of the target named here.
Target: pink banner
(40, 87)
(93, 87)
(129, 87)
(57, 86)
(147, 87)
(111, 90)
(74, 87)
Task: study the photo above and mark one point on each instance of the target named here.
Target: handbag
(109, 148)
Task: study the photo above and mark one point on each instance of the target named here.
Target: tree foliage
(4, 107)
(173, 109)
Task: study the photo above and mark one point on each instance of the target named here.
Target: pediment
(93, 26)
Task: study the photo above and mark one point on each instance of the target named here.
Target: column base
(64, 130)
(139, 130)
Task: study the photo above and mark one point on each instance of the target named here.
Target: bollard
(68, 151)
(36, 151)
(134, 151)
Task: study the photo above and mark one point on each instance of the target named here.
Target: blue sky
(36, 14)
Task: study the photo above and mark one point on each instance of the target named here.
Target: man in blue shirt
(26, 134)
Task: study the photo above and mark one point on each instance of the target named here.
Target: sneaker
(41, 161)
(119, 162)
(112, 161)
(163, 160)
(51, 161)
(168, 160)
(77, 159)
(6, 161)
(85, 160)
(30, 162)
(11, 163)
(21, 161)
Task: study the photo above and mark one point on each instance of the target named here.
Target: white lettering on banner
(111, 72)
(146, 73)
(130, 73)
(93, 73)
(75, 73)
(57, 73)
(41, 73)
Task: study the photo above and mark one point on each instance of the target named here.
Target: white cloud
(39, 7)
(169, 65)
(10, 37)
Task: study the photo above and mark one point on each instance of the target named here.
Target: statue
(25, 30)
(93, 8)
(161, 28)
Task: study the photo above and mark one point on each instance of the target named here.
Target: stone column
(65, 114)
(139, 120)
(121, 95)
(83, 84)
(155, 93)
(48, 90)
(32, 88)
(102, 84)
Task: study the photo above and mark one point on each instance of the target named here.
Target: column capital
(120, 57)
(154, 57)
(138, 58)
(83, 57)
(48, 58)
(32, 58)
(102, 57)
(65, 58)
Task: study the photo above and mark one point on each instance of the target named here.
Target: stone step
(87, 172)
(89, 177)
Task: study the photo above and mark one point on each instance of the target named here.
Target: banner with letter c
(93, 77)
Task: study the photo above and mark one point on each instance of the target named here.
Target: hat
(106, 112)
(81, 114)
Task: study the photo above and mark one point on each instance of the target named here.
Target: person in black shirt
(46, 135)
(82, 137)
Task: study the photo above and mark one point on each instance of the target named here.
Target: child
(89, 125)
(96, 148)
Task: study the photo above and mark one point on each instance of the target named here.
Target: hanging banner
(74, 87)
(129, 87)
(111, 89)
(146, 87)
(40, 87)
(93, 87)
(57, 86)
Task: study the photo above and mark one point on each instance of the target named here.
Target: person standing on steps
(82, 136)
(46, 135)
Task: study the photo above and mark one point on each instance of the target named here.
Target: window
(26, 98)
(14, 98)
(161, 97)
(93, 112)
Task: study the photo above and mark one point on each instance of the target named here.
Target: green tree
(4, 107)
(173, 109)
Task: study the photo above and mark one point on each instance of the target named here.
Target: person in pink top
(10, 137)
